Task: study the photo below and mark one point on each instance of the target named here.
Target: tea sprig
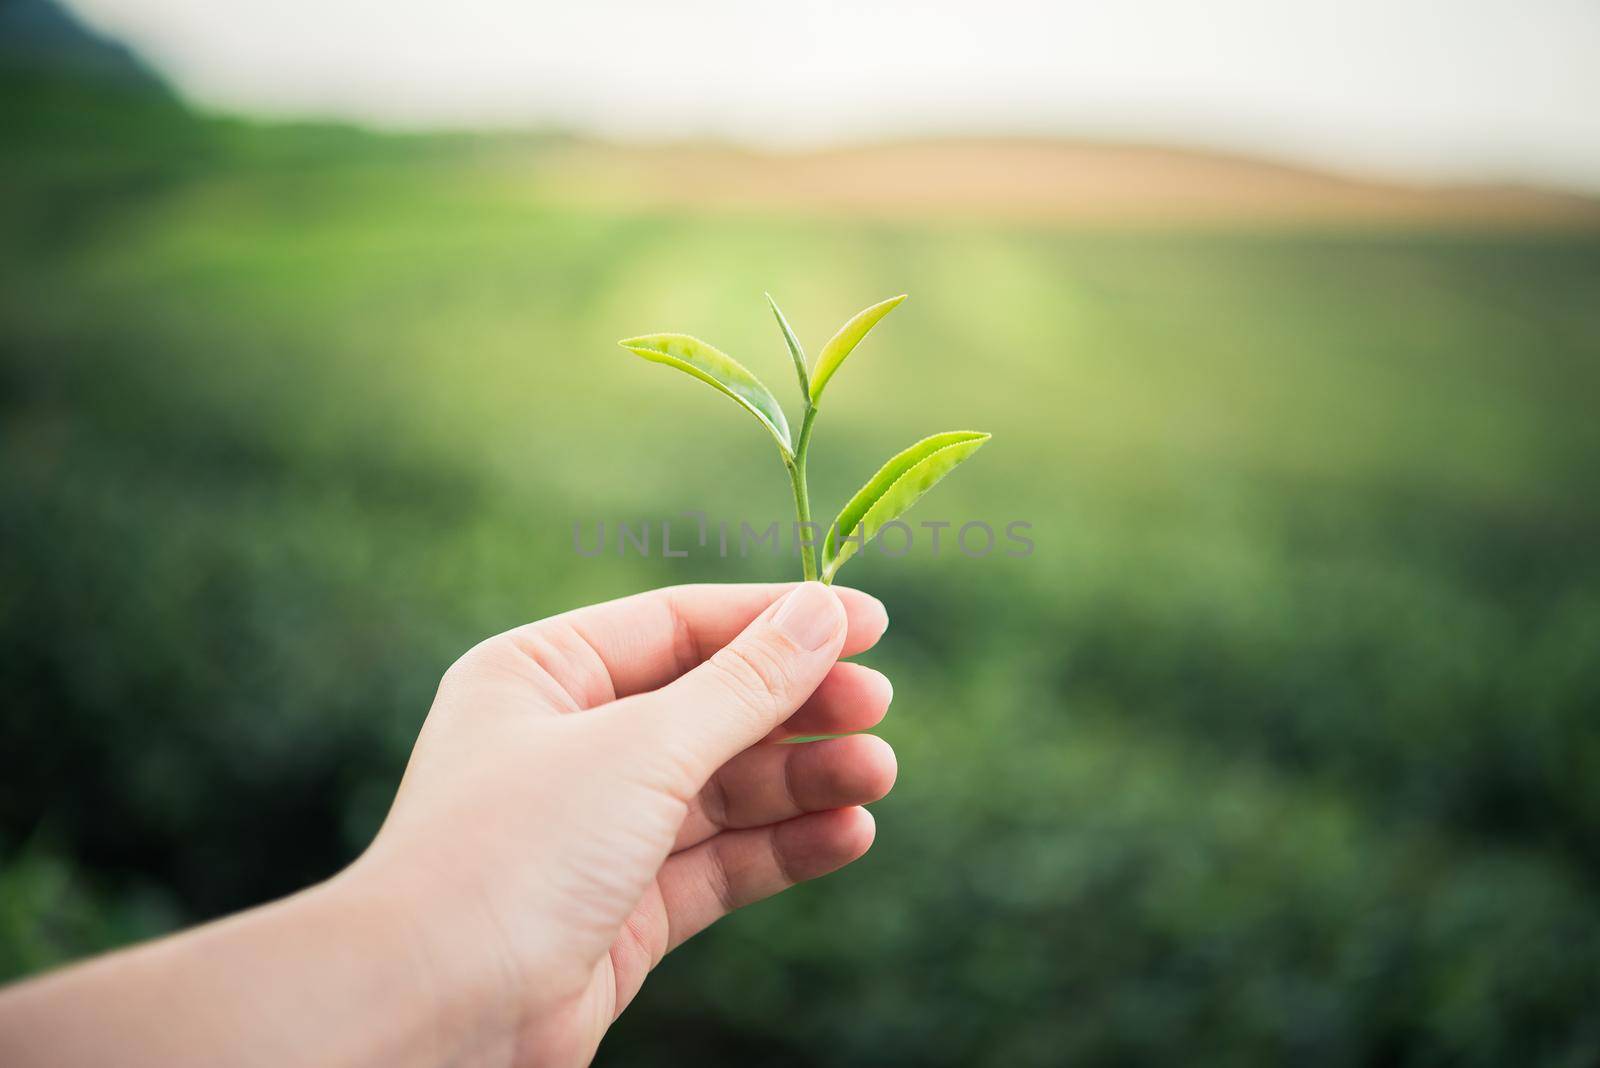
(886, 496)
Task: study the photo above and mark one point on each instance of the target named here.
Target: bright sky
(1431, 88)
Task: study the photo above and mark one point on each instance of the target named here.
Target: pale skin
(588, 792)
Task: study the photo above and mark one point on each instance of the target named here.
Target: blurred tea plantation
(1282, 747)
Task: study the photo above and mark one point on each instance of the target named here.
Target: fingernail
(809, 616)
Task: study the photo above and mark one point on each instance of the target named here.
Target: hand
(591, 790)
(586, 793)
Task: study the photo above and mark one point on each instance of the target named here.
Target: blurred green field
(1281, 746)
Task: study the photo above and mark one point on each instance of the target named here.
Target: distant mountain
(41, 35)
(1036, 181)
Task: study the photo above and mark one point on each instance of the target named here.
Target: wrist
(459, 1010)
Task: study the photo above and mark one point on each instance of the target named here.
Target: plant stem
(802, 499)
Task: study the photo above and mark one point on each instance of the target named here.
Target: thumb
(755, 682)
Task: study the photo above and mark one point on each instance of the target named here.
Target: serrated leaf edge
(779, 431)
(822, 375)
(833, 562)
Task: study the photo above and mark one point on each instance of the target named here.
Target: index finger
(649, 639)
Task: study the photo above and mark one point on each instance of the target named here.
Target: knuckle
(470, 666)
(719, 879)
(478, 671)
(714, 801)
(645, 942)
(758, 675)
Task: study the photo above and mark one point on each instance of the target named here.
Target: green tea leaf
(795, 351)
(710, 365)
(891, 492)
(845, 341)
